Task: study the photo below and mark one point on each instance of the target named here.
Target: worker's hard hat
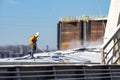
(37, 34)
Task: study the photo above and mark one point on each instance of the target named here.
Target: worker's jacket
(33, 40)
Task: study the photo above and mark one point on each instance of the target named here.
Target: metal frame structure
(60, 72)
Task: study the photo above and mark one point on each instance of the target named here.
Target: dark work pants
(33, 50)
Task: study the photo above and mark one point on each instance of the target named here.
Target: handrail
(76, 72)
(105, 45)
(112, 56)
(111, 38)
(111, 48)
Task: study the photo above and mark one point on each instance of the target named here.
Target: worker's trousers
(33, 50)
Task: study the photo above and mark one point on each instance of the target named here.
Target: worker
(32, 43)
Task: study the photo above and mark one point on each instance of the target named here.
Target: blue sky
(19, 19)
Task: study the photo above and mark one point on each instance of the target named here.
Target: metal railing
(61, 72)
(111, 56)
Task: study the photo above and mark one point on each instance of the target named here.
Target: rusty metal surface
(78, 32)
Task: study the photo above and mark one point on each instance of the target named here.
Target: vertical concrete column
(84, 33)
(113, 18)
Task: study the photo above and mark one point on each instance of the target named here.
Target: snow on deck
(79, 55)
